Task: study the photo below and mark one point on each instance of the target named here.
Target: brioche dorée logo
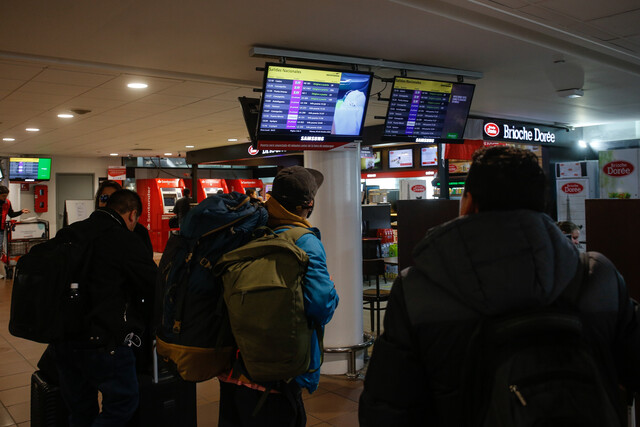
(618, 168)
(418, 188)
(492, 129)
(572, 188)
(453, 168)
(253, 151)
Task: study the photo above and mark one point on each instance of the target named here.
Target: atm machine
(240, 185)
(209, 187)
(159, 196)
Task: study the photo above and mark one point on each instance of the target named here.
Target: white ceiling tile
(75, 78)
(513, 4)
(196, 89)
(624, 24)
(53, 89)
(21, 72)
(584, 10)
(549, 17)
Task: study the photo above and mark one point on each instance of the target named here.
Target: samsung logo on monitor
(425, 140)
(312, 138)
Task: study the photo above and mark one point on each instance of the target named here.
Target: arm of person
(320, 296)
(394, 386)
(12, 214)
(627, 345)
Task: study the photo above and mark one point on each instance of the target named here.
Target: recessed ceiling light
(8, 139)
(113, 154)
(232, 139)
(168, 154)
(65, 115)
(32, 130)
(189, 146)
(137, 85)
(582, 144)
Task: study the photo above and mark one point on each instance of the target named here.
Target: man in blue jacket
(291, 204)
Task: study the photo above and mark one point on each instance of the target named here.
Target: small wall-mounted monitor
(401, 158)
(428, 111)
(313, 104)
(372, 161)
(29, 169)
(429, 156)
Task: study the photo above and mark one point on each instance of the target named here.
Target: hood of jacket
(494, 262)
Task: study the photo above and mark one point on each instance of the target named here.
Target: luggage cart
(20, 238)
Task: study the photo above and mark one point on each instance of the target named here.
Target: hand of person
(25, 211)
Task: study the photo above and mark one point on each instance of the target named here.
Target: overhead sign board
(527, 133)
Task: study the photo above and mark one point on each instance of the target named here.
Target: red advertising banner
(117, 173)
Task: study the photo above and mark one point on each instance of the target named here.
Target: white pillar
(338, 215)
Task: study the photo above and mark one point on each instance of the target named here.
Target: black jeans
(84, 372)
(285, 409)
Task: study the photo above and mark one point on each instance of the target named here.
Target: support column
(338, 215)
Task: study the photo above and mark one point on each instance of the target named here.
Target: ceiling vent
(80, 111)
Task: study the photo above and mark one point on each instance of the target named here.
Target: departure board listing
(427, 110)
(311, 104)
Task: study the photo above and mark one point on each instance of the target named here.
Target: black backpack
(192, 325)
(537, 368)
(41, 310)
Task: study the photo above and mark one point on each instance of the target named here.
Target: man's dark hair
(186, 192)
(4, 189)
(505, 178)
(124, 201)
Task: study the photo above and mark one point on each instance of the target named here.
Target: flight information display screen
(29, 169)
(313, 104)
(427, 110)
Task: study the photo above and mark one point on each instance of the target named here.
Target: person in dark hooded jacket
(502, 255)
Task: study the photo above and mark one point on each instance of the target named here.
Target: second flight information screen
(428, 109)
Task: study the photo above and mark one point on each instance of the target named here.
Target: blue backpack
(193, 331)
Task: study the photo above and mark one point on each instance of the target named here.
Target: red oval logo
(618, 168)
(453, 168)
(492, 129)
(418, 188)
(253, 151)
(572, 188)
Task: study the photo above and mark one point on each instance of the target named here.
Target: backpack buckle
(176, 326)
(205, 263)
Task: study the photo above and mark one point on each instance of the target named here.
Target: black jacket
(120, 281)
(475, 266)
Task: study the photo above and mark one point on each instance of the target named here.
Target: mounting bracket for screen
(371, 62)
(460, 79)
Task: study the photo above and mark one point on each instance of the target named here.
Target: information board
(312, 104)
(427, 110)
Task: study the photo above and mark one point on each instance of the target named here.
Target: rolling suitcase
(47, 407)
(165, 399)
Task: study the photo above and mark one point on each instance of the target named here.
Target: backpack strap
(570, 294)
(293, 233)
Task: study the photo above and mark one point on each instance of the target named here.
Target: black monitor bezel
(275, 136)
(421, 139)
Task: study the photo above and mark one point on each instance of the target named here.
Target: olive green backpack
(262, 285)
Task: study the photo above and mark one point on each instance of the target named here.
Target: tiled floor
(335, 403)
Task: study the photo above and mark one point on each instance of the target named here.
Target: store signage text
(418, 188)
(572, 188)
(520, 133)
(254, 151)
(618, 168)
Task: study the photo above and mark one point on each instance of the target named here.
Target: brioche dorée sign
(618, 168)
(572, 188)
(503, 130)
(418, 188)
